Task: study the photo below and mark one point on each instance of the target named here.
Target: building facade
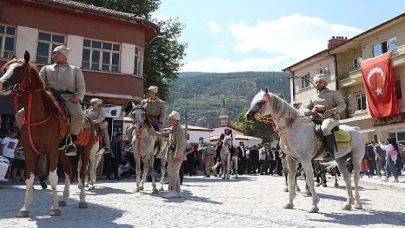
(107, 45)
(388, 36)
(303, 71)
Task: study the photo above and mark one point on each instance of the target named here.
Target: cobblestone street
(251, 201)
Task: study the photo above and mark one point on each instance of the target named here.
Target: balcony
(353, 77)
(398, 59)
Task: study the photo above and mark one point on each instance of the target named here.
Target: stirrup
(71, 150)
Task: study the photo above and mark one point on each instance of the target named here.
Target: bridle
(19, 89)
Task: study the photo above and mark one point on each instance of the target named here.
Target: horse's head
(18, 76)
(260, 105)
(139, 115)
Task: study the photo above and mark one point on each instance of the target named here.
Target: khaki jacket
(208, 151)
(64, 78)
(327, 100)
(155, 108)
(98, 116)
(176, 143)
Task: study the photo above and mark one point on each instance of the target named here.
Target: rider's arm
(339, 101)
(100, 117)
(159, 134)
(42, 74)
(80, 84)
(309, 106)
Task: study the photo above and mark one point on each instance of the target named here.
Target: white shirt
(9, 146)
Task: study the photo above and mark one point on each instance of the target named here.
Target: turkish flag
(379, 84)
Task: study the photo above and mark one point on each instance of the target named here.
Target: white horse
(225, 155)
(96, 154)
(163, 160)
(143, 147)
(300, 142)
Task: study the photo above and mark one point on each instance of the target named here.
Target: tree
(163, 54)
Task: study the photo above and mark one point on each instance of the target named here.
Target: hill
(202, 93)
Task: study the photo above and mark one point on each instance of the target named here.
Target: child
(8, 146)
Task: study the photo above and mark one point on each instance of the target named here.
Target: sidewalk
(376, 181)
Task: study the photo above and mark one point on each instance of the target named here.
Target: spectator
(8, 146)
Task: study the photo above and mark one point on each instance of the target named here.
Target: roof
(194, 128)
(101, 11)
(306, 59)
(237, 137)
(231, 127)
(401, 16)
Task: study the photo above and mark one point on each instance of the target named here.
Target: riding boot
(330, 147)
(71, 149)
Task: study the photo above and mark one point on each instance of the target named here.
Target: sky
(268, 35)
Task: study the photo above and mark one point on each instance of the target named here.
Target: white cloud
(286, 40)
(213, 27)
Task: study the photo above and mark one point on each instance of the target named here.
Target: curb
(390, 186)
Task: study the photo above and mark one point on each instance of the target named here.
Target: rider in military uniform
(328, 103)
(97, 114)
(68, 82)
(156, 111)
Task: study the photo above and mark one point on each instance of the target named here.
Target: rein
(21, 88)
(275, 121)
(138, 137)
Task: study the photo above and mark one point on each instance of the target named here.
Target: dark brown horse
(44, 127)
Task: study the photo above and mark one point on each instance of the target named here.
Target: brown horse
(44, 127)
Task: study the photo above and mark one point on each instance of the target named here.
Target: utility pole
(186, 124)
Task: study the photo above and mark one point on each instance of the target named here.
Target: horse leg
(286, 180)
(323, 175)
(84, 157)
(67, 167)
(307, 190)
(236, 166)
(306, 164)
(152, 173)
(138, 172)
(292, 170)
(145, 172)
(162, 172)
(30, 162)
(53, 180)
(336, 177)
(228, 166)
(346, 176)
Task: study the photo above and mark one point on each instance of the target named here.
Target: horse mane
(283, 108)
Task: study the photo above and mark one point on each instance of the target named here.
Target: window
(305, 81)
(385, 46)
(324, 70)
(138, 62)
(357, 63)
(361, 102)
(100, 55)
(46, 43)
(7, 41)
(400, 136)
(398, 91)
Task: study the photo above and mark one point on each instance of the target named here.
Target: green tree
(164, 54)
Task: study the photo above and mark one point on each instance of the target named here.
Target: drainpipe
(293, 83)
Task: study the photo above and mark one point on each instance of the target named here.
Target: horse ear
(27, 56)
(266, 90)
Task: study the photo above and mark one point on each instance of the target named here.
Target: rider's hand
(75, 100)
(176, 160)
(329, 112)
(309, 113)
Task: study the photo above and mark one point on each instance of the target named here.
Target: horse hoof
(223, 178)
(336, 185)
(289, 206)
(236, 177)
(83, 205)
(313, 209)
(309, 194)
(155, 191)
(161, 188)
(317, 185)
(347, 207)
(135, 190)
(285, 190)
(55, 212)
(298, 190)
(86, 185)
(44, 185)
(325, 185)
(92, 188)
(23, 214)
(141, 188)
(358, 206)
(62, 203)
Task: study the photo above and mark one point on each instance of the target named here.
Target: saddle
(341, 137)
(63, 115)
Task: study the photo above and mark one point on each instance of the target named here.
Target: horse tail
(42, 167)
(330, 165)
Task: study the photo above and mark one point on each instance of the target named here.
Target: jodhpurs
(328, 125)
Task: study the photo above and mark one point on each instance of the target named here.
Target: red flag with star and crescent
(379, 85)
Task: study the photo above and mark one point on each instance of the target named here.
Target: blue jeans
(390, 168)
(11, 160)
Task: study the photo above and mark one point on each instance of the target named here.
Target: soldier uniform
(69, 82)
(156, 111)
(321, 102)
(208, 153)
(176, 143)
(98, 117)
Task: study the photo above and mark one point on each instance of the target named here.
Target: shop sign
(390, 120)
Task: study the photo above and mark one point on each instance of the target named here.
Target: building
(196, 133)
(388, 36)
(106, 44)
(303, 71)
